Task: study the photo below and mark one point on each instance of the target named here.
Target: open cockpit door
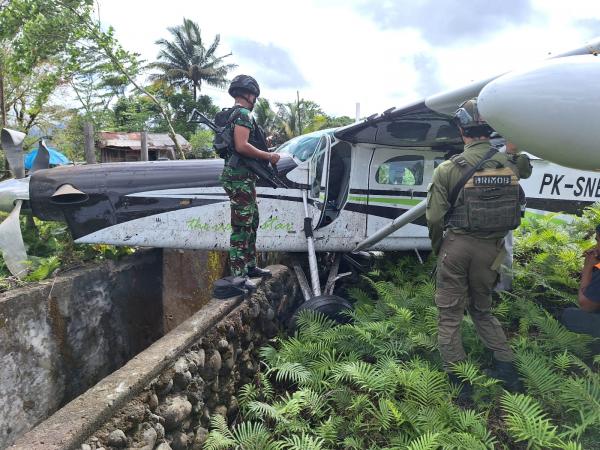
(318, 179)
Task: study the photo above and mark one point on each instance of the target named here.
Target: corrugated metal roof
(156, 141)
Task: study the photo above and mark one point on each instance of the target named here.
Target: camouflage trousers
(465, 280)
(240, 186)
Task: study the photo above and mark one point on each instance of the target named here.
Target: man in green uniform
(240, 183)
(474, 199)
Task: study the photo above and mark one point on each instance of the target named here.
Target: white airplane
(348, 189)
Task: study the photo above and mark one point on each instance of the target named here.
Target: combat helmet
(468, 119)
(243, 84)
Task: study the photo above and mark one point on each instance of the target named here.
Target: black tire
(332, 306)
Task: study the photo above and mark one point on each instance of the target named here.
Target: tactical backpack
(492, 197)
(223, 141)
(224, 119)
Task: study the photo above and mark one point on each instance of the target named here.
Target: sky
(377, 53)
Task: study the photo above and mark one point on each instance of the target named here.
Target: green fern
(538, 374)
(469, 372)
(428, 441)
(527, 421)
(302, 442)
(220, 437)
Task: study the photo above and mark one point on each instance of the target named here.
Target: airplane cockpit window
(408, 131)
(303, 147)
(401, 170)
(447, 132)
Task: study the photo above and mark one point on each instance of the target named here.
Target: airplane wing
(427, 123)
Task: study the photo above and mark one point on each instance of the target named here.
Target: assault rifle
(261, 168)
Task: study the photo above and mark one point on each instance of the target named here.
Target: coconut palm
(186, 62)
(265, 116)
(297, 118)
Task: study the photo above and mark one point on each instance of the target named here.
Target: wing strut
(407, 217)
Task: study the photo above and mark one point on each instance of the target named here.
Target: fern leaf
(527, 421)
(427, 441)
(302, 442)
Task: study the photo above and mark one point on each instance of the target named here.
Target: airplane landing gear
(332, 306)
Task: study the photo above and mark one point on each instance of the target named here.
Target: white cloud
(344, 55)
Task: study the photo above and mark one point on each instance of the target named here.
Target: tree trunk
(88, 134)
(3, 114)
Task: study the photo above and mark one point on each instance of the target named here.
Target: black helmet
(468, 119)
(243, 84)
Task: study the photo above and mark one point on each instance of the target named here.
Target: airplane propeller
(14, 192)
(12, 144)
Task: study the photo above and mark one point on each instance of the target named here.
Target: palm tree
(186, 62)
(297, 118)
(265, 116)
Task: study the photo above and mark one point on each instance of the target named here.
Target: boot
(466, 389)
(256, 272)
(505, 372)
(249, 284)
(230, 287)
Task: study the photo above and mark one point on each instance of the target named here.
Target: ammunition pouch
(492, 201)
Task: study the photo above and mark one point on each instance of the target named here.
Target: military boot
(505, 372)
(466, 389)
(255, 272)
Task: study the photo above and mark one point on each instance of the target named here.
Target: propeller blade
(42, 159)
(11, 243)
(12, 144)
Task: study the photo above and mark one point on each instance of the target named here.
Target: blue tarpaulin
(56, 158)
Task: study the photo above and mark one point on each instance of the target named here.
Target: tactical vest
(226, 120)
(492, 199)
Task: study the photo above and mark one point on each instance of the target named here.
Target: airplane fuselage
(181, 204)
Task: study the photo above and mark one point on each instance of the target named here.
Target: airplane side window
(437, 162)
(401, 170)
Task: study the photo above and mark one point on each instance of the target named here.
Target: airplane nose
(11, 191)
(551, 110)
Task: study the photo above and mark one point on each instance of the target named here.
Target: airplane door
(318, 179)
(398, 180)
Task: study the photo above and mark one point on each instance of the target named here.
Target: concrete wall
(63, 335)
(187, 279)
(163, 397)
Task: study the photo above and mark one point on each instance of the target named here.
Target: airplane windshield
(303, 147)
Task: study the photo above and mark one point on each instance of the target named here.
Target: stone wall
(163, 398)
(63, 335)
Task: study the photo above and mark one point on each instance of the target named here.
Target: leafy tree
(186, 62)
(296, 117)
(136, 112)
(201, 142)
(266, 117)
(39, 49)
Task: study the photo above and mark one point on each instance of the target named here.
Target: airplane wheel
(332, 306)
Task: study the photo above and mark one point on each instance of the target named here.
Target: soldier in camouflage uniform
(469, 256)
(240, 183)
